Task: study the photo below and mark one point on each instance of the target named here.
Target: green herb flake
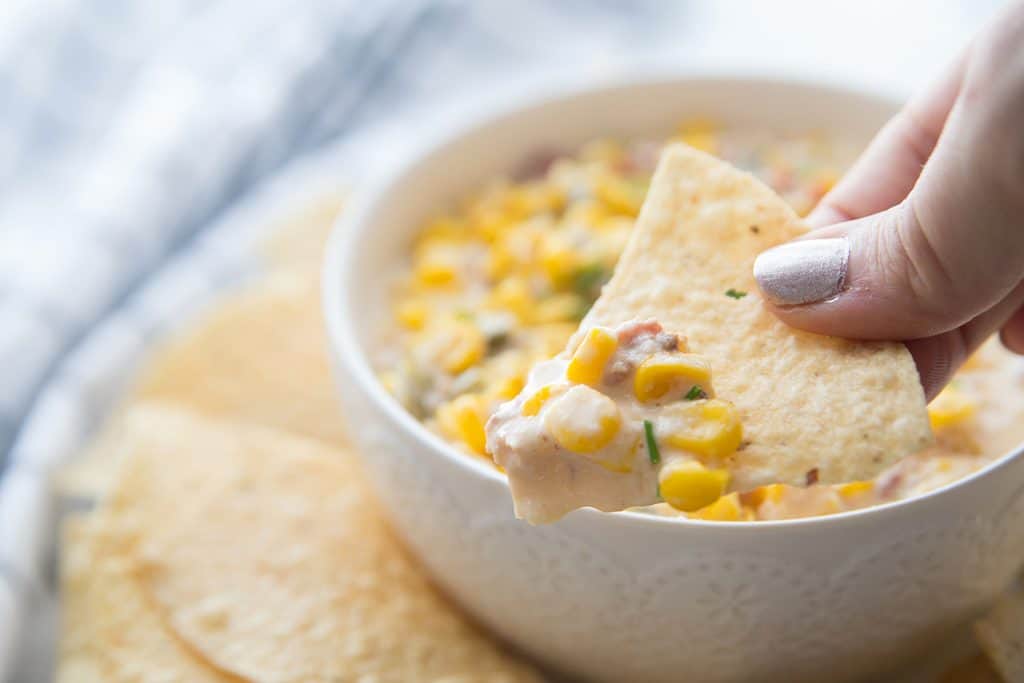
(694, 393)
(497, 342)
(464, 315)
(735, 293)
(581, 308)
(652, 446)
(588, 280)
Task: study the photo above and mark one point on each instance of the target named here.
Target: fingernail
(803, 272)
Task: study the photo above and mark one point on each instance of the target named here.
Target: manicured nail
(803, 272)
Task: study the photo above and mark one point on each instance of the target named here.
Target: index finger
(885, 173)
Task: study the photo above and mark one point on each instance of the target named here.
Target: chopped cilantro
(652, 446)
(694, 393)
(581, 310)
(588, 279)
(735, 293)
(497, 342)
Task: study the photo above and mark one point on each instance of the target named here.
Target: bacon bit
(751, 499)
(668, 341)
(537, 164)
(888, 484)
(645, 156)
(617, 371)
(629, 334)
(812, 476)
(782, 179)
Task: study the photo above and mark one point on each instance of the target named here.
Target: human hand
(925, 236)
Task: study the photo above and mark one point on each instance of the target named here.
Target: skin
(934, 213)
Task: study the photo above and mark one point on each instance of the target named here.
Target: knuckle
(913, 134)
(913, 265)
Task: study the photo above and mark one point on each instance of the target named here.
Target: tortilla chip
(110, 632)
(90, 474)
(1001, 636)
(267, 554)
(260, 355)
(848, 409)
(298, 243)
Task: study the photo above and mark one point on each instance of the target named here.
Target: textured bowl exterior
(618, 597)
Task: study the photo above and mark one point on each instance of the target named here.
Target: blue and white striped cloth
(128, 131)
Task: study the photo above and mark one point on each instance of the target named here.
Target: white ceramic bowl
(629, 597)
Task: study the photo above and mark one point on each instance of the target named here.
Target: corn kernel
(391, 381)
(513, 295)
(444, 228)
(517, 203)
(463, 346)
(464, 419)
(583, 420)
(548, 340)
(855, 488)
(664, 372)
(509, 386)
(412, 314)
(829, 505)
(620, 196)
(824, 181)
(772, 493)
(950, 407)
(491, 224)
(603, 150)
(558, 259)
(689, 486)
(975, 361)
(622, 466)
(532, 405)
(586, 212)
(437, 262)
(500, 262)
(593, 353)
(709, 428)
(435, 274)
(700, 134)
(516, 251)
(726, 509)
(551, 197)
(557, 308)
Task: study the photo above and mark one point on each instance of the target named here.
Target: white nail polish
(803, 272)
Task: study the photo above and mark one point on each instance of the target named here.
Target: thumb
(943, 290)
(951, 251)
(942, 270)
(888, 276)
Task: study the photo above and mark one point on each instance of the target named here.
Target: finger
(901, 274)
(1012, 334)
(938, 357)
(885, 173)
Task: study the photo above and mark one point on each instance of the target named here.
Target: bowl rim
(350, 226)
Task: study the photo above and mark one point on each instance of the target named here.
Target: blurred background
(128, 128)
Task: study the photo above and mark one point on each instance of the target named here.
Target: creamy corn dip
(628, 419)
(501, 282)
